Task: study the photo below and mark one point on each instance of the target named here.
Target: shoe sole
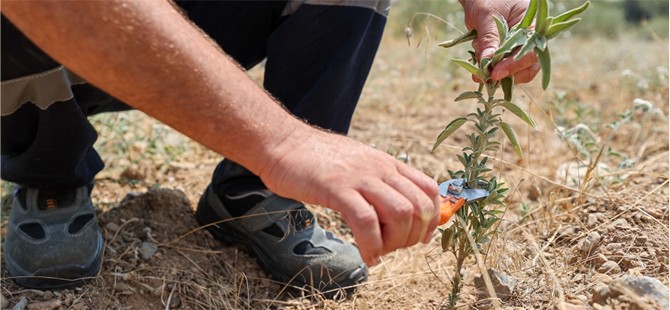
(54, 278)
(206, 216)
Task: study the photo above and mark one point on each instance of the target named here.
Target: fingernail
(427, 238)
(427, 212)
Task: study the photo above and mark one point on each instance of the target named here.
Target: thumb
(487, 41)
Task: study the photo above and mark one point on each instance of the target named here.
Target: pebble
(590, 242)
(583, 298)
(594, 219)
(569, 306)
(147, 250)
(503, 284)
(599, 260)
(611, 247)
(641, 240)
(609, 267)
(112, 227)
(621, 223)
(600, 293)
(645, 286)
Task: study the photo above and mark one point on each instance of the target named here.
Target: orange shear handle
(449, 206)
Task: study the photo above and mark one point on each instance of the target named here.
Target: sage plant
(477, 219)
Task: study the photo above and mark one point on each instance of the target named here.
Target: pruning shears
(455, 195)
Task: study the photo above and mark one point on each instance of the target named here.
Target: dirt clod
(147, 250)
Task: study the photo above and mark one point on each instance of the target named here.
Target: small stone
(112, 227)
(23, 302)
(641, 240)
(609, 267)
(570, 306)
(4, 303)
(624, 208)
(621, 223)
(594, 219)
(49, 304)
(147, 250)
(611, 247)
(568, 231)
(503, 284)
(645, 286)
(600, 293)
(582, 298)
(590, 242)
(601, 278)
(631, 261)
(599, 260)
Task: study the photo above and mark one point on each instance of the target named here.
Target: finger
(433, 223)
(395, 214)
(509, 66)
(421, 204)
(364, 224)
(419, 178)
(527, 75)
(487, 42)
(430, 207)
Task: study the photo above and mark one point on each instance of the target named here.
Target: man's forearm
(147, 55)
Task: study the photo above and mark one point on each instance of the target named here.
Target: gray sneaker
(286, 239)
(53, 239)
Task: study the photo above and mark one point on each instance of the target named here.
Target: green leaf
(511, 136)
(526, 48)
(470, 67)
(468, 95)
(520, 113)
(502, 27)
(484, 65)
(507, 87)
(468, 36)
(516, 38)
(453, 126)
(569, 14)
(530, 13)
(447, 239)
(542, 13)
(545, 63)
(541, 42)
(556, 28)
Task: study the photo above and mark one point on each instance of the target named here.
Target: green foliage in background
(612, 19)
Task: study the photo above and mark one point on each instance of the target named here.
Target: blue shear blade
(470, 194)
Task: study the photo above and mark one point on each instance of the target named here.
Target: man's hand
(388, 204)
(479, 15)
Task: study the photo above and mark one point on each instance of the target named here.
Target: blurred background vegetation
(606, 18)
